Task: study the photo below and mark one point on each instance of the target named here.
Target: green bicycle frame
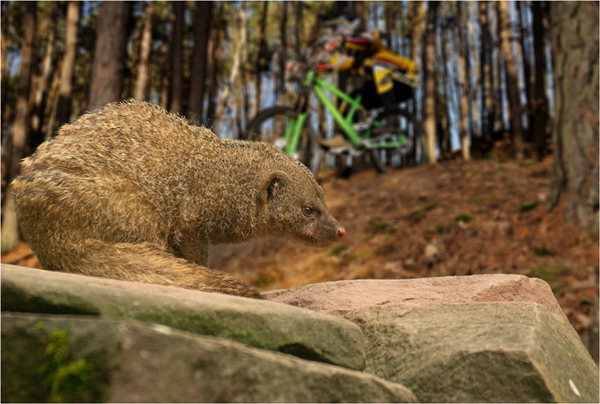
(292, 133)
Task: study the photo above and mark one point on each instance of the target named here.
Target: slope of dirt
(454, 218)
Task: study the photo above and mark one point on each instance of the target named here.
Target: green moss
(463, 218)
(431, 206)
(64, 378)
(417, 215)
(544, 251)
(526, 207)
(264, 280)
(337, 249)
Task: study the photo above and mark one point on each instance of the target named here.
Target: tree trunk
(109, 54)
(215, 39)
(165, 64)
(41, 92)
(142, 77)
(464, 98)
(444, 93)
(282, 51)
(574, 31)
(488, 110)
(526, 56)
(238, 44)
(66, 76)
(516, 127)
(177, 58)
(10, 230)
(539, 103)
(199, 57)
(260, 59)
(429, 124)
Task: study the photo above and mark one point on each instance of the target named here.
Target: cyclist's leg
(384, 85)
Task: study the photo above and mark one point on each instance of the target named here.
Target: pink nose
(341, 232)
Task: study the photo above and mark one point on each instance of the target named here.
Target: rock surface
(262, 324)
(487, 338)
(131, 361)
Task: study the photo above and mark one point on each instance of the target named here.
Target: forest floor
(454, 218)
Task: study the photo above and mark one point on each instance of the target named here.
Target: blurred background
(509, 186)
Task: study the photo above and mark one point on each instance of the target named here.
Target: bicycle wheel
(270, 126)
(389, 127)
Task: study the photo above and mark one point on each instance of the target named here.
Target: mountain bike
(384, 137)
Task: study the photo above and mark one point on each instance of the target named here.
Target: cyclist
(390, 78)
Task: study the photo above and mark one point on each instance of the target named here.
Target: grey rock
(486, 338)
(131, 361)
(263, 324)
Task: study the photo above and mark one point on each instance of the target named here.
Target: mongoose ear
(271, 185)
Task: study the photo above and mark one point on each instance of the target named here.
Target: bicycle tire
(395, 121)
(308, 151)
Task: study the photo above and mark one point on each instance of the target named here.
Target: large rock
(262, 324)
(487, 338)
(85, 358)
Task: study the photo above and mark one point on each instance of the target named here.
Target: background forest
(513, 82)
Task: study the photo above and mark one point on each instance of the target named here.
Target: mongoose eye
(308, 211)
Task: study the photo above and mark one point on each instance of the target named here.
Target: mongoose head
(293, 207)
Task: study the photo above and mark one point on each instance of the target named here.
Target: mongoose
(133, 192)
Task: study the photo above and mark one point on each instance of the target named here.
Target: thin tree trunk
(199, 58)
(574, 30)
(526, 56)
(488, 110)
(177, 58)
(429, 124)
(240, 42)
(10, 230)
(41, 92)
(143, 71)
(165, 64)
(281, 59)
(260, 59)
(68, 67)
(516, 128)
(464, 98)
(109, 54)
(214, 62)
(539, 103)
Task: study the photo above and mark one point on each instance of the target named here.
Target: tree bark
(282, 51)
(177, 58)
(165, 64)
(464, 98)
(574, 31)
(488, 110)
(516, 127)
(66, 76)
(198, 65)
(526, 56)
(539, 104)
(41, 92)
(144, 67)
(215, 40)
(260, 59)
(21, 128)
(109, 54)
(429, 124)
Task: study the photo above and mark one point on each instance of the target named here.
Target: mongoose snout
(132, 192)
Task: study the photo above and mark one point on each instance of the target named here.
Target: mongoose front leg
(194, 250)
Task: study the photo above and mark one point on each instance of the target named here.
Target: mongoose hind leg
(148, 263)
